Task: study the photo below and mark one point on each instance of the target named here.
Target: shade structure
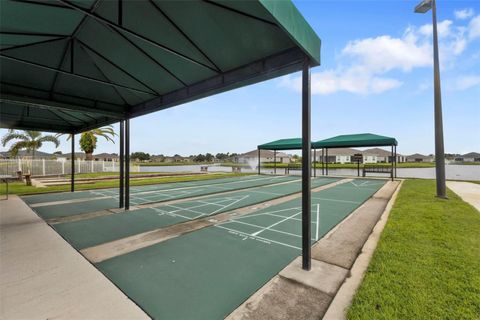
(355, 140)
(69, 66)
(282, 144)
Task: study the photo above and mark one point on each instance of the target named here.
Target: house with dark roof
(417, 157)
(469, 157)
(265, 156)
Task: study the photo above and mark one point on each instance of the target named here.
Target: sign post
(357, 157)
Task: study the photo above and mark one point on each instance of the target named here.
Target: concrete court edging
(43, 277)
(343, 299)
(281, 290)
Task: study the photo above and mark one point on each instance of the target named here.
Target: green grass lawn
(427, 263)
(21, 189)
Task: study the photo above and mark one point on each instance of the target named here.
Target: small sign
(357, 157)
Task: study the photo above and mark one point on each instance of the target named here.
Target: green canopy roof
(355, 140)
(70, 65)
(282, 144)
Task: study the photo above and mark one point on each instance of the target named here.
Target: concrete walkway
(469, 192)
(43, 277)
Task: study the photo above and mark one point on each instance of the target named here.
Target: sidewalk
(469, 192)
(43, 277)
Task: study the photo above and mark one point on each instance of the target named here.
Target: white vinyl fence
(42, 167)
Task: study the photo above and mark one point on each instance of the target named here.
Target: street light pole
(423, 7)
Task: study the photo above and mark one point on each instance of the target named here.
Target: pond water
(453, 172)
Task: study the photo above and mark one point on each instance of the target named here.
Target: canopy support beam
(306, 159)
(264, 69)
(258, 167)
(127, 164)
(392, 160)
(121, 190)
(274, 161)
(72, 167)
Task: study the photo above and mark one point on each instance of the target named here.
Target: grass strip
(427, 262)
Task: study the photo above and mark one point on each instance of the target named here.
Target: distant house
(470, 157)
(338, 155)
(106, 157)
(382, 155)
(157, 158)
(417, 157)
(265, 156)
(22, 154)
(96, 157)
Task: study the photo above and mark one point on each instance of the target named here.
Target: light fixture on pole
(423, 7)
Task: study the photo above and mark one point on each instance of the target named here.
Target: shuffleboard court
(106, 201)
(206, 274)
(90, 232)
(88, 194)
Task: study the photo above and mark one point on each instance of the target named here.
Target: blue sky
(376, 76)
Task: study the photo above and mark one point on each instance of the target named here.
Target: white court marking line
(202, 205)
(257, 226)
(261, 213)
(276, 223)
(260, 238)
(172, 214)
(335, 200)
(229, 205)
(180, 208)
(317, 221)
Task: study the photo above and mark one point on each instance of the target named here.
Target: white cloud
(464, 14)
(352, 81)
(384, 53)
(443, 29)
(363, 64)
(467, 82)
(474, 28)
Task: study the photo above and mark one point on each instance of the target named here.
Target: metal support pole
(392, 160)
(439, 146)
(326, 162)
(396, 161)
(274, 161)
(258, 150)
(306, 159)
(127, 164)
(122, 165)
(314, 162)
(323, 161)
(72, 169)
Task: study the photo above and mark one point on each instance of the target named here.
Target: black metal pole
(306, 159)
(326, 162)
(127, 164)
(396, 161)
(323, 161)
(314, 162)
(121, 190)
(391, 160)
(258, 151)
(439, 145)
(72, 169)
(274, 161)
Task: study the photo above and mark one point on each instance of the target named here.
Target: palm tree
(88, 139)
(28, 140)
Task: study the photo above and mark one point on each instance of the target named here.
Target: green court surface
(106, 199)
(206, 274)
(88, 194)
(91, 232)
